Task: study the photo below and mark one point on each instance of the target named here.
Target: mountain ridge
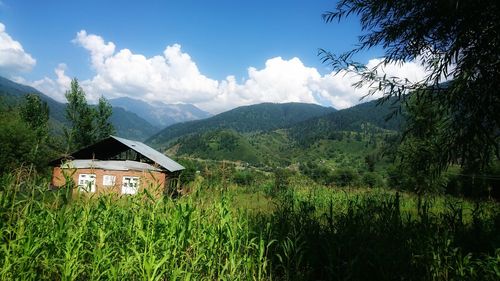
(357, 131)
(250, 118)
(160, 114)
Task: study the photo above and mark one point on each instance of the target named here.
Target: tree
(103, 127)
(419, 152)
(35, 113)
(16, 142)
(88, 124)
(81, 117)
(456, 41)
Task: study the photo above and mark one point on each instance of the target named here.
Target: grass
(221, 231)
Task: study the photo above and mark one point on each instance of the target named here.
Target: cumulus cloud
(13, 58)
(173, 77)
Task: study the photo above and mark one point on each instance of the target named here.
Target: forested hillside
(368, 116)
(252, 118)
(356, 138)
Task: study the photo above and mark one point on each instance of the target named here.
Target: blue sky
(209, 41)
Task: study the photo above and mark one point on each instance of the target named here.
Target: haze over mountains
(160, 114)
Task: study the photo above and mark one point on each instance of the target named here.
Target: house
(117, 165)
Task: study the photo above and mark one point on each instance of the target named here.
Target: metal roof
(107, 148)
(117, 165)
(154, 155)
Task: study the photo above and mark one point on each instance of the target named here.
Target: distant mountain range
(160, 114)
(127, 124)
(252, 118)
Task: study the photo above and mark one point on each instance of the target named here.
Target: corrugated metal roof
(152, 154)
(110, 147)
(118, 165)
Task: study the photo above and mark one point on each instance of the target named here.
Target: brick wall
(154, 181)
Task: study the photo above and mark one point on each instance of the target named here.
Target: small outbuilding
(117, 165)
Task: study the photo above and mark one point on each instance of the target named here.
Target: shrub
(345, 177)
(189, 173)
(281, 179)
(244, 177)
(372, 179)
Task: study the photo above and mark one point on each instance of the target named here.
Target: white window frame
(108, 180)
(130, 185)
(86, 182)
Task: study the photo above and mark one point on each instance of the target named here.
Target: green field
(224, 231)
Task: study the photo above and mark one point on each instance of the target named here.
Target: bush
(318, 173)
(189, 173)
(345, 177)
(372, 179)
(244, 177)
(281, 179)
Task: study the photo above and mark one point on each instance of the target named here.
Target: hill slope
(127, 124)
(252, 118)
(336, 140)
(366, 116)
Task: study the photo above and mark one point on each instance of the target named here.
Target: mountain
(244, 119)
(337, 139)
(12, 94)
(131, 126)
(161, 114)
(127, 124)
(377, 117)
(218, 145)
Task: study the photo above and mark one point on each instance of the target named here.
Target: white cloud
(13, 58)
(173, 77)
(54, 88)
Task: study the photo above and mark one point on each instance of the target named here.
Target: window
(130, 185)
(86, 182)
(108, 180)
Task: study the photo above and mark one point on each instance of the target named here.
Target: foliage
(189, 173)
(103, 127)
(17, 142)
(372, 179)
(420, 150)
(345, 177)
(319, 173)
(24, 139)
(132, 238)
(81, 116)
(88, 124)
(35, 113)
(244, 177)
(281, 179)
(309, 234)
(454, 40)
